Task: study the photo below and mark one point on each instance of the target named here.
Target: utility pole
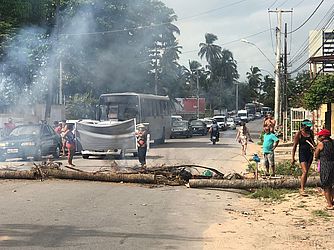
(277, 113)
(285, 99)
(48, 105)
(156, 71)
(278, 70)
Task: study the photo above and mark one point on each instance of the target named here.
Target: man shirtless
(270, 122)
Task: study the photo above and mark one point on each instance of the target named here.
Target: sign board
(189, 105)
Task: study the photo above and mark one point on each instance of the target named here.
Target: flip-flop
(329, 208)
(303, 194)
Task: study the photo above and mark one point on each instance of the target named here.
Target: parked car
(230, 123)
(33, 140)
(221, 121)
(176, 118)
(199, 127)
(237, 120)
(181, 128)
(251, 117)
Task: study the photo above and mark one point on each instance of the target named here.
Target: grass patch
(270, 194)
(286, 168)
(321, 213)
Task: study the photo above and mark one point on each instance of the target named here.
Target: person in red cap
(325, 153)
(305, 139)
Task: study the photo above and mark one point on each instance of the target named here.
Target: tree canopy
(320, 92)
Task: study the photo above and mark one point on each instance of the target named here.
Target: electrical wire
(211, 10)
(272, 4)
(233, 41)
(306, 62)
(312, 42)
(304, 46)
(282, 3)
(298, 4)
(308, 17)
(152, 25)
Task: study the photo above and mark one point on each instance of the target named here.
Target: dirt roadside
(295, 222)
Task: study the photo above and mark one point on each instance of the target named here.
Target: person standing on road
(69, 142)
(270, 142)
(270, 122)
(305, 139)
(141, 135)
(242, 137)
(325, 152)
(9, 126)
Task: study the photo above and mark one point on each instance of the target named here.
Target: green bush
(285, 168)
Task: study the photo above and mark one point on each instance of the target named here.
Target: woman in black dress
(325, 152)
(305, 139)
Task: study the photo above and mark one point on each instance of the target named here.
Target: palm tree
(211, 51)
(254, 82)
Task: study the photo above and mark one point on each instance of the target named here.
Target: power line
(298, 4)
(303, 48)
(307, 18)
(211, 10)
(272, 4)
(282, 3)
(152, 25)
(233, 41)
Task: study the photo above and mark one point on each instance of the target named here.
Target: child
(141, 135)
(270, 142)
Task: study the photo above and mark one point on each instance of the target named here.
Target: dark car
(33, 140)
(199, 127)
(181, 128)
(237, 120)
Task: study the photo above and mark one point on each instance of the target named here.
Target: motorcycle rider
(214, 130)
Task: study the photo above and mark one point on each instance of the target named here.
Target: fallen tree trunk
(110, 177)
(251, 183)
(64, 174)
(24, 174)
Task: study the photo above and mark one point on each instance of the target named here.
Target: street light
(277, 80)
(246, 41)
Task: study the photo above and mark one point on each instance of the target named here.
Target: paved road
(92, 215)
(225, 156)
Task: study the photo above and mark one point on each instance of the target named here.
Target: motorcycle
(214, 137)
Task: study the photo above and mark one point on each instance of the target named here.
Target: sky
(233, 20)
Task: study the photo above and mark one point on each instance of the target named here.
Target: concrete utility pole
(156, 71)
(285, 84)
(277, 113)
(277, 70)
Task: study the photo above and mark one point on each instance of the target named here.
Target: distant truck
(243, 114)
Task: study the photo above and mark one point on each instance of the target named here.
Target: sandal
(302, 193)
(329, 208)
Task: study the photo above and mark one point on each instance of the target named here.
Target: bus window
(113, 112)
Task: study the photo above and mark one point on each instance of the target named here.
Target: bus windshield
(119, 108)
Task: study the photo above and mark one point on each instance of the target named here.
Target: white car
(221, 121)
(230, 123)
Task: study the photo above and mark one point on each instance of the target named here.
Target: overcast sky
(232, 20)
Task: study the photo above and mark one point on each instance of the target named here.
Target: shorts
(269, 159)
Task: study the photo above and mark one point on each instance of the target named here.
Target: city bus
(149, 109)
